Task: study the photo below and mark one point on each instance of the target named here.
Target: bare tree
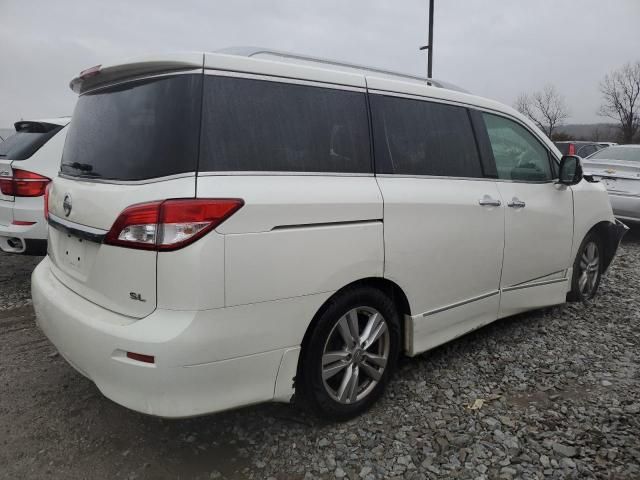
(621, 95)
(546, 108)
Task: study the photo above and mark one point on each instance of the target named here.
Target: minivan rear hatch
(27, 140)
(130, 142)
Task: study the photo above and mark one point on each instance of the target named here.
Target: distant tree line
(620, 101)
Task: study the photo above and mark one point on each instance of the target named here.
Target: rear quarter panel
(297, 235)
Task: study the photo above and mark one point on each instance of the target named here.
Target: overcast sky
(494, 48)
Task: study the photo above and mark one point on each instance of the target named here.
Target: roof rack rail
(256, 51)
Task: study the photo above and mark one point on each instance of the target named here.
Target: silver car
(618, 167)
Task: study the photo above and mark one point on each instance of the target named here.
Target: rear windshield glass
(28, 140)
(631, 154)
(563, 147)
(136, 131)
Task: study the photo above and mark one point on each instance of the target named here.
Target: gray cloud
(493, 48)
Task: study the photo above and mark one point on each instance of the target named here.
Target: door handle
(489, 201)
(516, 203)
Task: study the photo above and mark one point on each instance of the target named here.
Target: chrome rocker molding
(459, 304)
(534, 284)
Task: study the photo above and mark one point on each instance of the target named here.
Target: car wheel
(351, 353)
(587, 269)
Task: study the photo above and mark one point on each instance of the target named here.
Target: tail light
(169, 224)
(46, 201)
(24, 184)
(572, 149)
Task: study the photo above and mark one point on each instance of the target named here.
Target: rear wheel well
(389, 288)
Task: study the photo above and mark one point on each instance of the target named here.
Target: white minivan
(29, 158)
(230, 229)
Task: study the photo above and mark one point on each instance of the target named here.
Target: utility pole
(429, 46)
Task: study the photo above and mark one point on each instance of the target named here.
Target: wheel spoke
(377, 360)
(354, 327)
(585, 260)
(353, 387)
(371, 372)
(336, 356)
(346, 386)
(375, 334)
(582, 282)
(345, 333)
(591, 251)
(335, 368)
(372, 323)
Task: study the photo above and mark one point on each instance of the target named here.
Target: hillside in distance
(600, 132)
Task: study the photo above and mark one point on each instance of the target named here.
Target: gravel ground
(555, 395)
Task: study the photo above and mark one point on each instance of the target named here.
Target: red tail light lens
(170, 224)
(572, 149)
(24, 184)
(46, 201)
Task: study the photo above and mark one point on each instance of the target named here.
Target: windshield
(28, 140)
(137, 130)
(630, 154)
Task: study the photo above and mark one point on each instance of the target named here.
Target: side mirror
(570, 170)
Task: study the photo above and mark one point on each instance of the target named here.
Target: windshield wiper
(85, 168)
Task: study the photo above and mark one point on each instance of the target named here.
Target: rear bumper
(625, 207)
(179, 384)
(21, 238)
(613, 236)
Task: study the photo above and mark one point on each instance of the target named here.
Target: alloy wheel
(355, 355)
(589, 270)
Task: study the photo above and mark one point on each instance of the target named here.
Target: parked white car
(618, 168)
(29, 159)
(227, 230)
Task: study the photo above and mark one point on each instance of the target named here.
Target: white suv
(28, 160)
(227, 230)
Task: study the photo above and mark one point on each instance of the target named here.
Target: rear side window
(256, 125)
(136, 130)
(27, 140)
(414, 137)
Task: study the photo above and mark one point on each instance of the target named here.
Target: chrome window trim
(281, 174)
(459, 304)
(190, 71)
(81, 231)
(281, 79)
(127, 182)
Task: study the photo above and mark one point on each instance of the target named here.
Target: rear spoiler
(105, 74)
(35, 127)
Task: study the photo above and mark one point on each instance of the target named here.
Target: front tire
(351, 353)
(587, 269)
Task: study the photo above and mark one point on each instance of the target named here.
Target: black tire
(316, 391)
(580, 293)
